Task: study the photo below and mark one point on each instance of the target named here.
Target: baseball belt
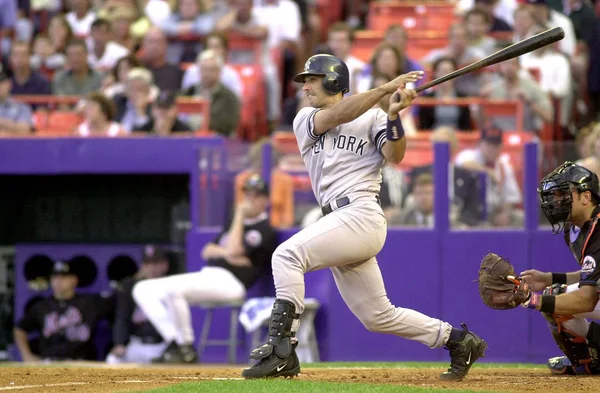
(340, 203)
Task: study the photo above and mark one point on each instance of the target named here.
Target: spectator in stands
(459, 49)
(15, 117)
(281, 184)
(478, 25)
(164, 119)
(421, 213)
(589, 147)
(503, 193)
(593, 74)
(397, 36)
(465, 188)
(229, 76)
(454, 116)
(555, 76)
(99, 116)
(582, 16)
(147, 13)
(191, 18)
(283, 19)
(60, 33)
(224, 104)
(134, 105)
(498, 24)
(66, 321)
(513, 85)
(339, 41)
(24, 79)
(525, 23)
(503, 9)
(103, 52)
(546, 16)
(81, 17)
(49, 51)
(121, 24)
(584, 140)
(247, 20)
(154, 57)
(114, 83)
(135, 338)
(235, 260)
(8, 17)
(78, 78)
(386, 60)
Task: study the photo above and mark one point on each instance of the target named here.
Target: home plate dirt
(101, 378)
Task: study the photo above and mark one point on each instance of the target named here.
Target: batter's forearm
(347, 110)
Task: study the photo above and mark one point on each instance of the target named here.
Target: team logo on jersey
(70, 324)
(253, 237)
(588, 265)
(350, 143)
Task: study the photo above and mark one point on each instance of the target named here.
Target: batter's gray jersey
(345, 159)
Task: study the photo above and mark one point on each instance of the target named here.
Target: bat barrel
(515, 50)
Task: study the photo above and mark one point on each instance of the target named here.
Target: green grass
(287, 386)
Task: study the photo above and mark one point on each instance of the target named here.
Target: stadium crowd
(121, 67)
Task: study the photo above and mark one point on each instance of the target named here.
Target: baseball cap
(256, 183)
(62, 268)
(491, 135)
(154, 253)
(166, 99)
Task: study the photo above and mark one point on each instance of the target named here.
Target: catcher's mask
(556, 188)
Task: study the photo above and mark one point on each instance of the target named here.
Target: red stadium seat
(437, 16)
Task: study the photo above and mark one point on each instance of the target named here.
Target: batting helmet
(334, 70)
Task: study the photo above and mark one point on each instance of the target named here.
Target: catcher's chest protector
(579, 245)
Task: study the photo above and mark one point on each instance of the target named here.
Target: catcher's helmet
(555, 191)
(334, 70)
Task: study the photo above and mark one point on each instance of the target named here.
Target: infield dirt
(101, 378)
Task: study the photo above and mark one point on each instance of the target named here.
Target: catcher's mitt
(499, 286)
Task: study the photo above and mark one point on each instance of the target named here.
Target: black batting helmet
(334, 70)
(555, 191)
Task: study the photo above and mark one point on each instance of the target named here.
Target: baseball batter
(344, 144)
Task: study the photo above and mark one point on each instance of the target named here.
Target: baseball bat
(517, 49)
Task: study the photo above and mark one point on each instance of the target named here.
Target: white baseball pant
(165, 301)
(138, 352)
(347, 241)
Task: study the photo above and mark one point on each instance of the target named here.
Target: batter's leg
(348, 235)
(362, 288)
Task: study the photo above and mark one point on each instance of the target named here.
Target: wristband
(394, 130)
(548, 304)
(532, 302)
(559, 278)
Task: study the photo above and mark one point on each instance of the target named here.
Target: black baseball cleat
(177, 354)
(273, 366)
(465, 348)
(277, 358)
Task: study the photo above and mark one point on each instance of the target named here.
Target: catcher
(570, 197)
